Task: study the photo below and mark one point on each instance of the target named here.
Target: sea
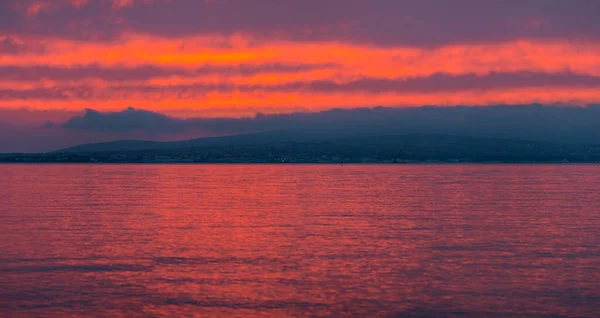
(80, 240)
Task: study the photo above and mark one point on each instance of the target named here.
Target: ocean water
(299, 240)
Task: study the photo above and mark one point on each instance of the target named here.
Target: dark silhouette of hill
(295, 147)
(533, 133)
(242, 139)
(566, 124)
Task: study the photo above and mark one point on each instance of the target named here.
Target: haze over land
(573, 125)
(532, 133)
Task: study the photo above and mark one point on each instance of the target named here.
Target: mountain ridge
(291, 147)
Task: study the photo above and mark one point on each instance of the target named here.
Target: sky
(234, 58)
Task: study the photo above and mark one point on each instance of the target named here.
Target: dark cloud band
(380, 22)
(145, 72)
(577, 124)
(440, 83)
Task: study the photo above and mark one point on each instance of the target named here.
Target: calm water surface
(299, 240)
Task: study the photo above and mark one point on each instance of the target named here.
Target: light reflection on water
(299, 240)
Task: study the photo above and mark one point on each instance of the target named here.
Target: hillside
(289, 147)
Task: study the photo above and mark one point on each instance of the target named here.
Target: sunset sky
(210, 58)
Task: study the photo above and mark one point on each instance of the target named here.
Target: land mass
(294, 147)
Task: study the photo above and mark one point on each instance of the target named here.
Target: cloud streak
(12, 46)
(145, 72)
(435, 83)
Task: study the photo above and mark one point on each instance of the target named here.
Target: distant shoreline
(305, 163)
(264, 149)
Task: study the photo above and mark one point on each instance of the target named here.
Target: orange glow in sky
(207, 77)
(108, 55)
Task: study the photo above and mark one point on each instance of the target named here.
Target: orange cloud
(364, 60)
(352, 63)
(247, 103)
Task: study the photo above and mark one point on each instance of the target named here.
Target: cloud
(379, 22)
(127, 120)
(145, 72)
(11, 45)
(535, 122)
(438, 82)
(33, 118)
(132, 119)
(79, 72)
(43, 93)
(441, 82)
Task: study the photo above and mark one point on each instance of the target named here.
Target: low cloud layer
(567, 124)
(128, 120)
(50, 131)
